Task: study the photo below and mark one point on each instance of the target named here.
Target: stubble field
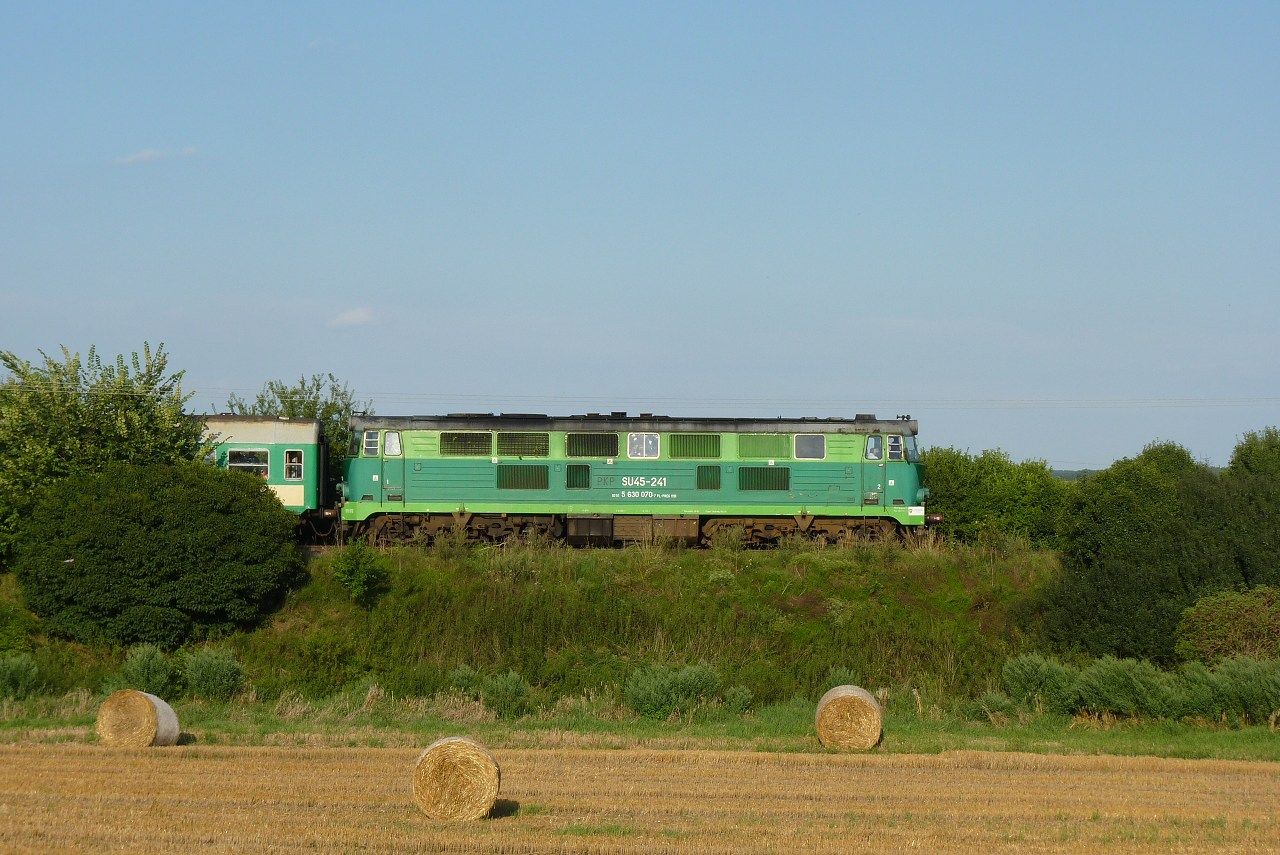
(86, 797)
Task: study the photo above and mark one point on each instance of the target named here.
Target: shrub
(658, 692)
(507, 695)
(148, 669)
(363, 571)
(1232, 623)
(1032, 676)
(212, 674)
(16, 627)
(155, 554)
(1126, 687)
(989, 494)
(993, 706)
(19, 676)
(1249, 687)
(737, 699)
(1141, 541)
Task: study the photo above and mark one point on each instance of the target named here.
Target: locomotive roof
(616, 421)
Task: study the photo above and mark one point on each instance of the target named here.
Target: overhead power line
(489, 400)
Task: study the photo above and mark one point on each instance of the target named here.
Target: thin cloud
(156, 155)
(359, 317)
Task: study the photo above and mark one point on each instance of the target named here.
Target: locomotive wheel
(387, 531)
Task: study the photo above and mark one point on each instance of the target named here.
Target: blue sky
(1049, 229)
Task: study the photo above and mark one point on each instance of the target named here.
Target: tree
(80, 414)
(320, 396)
(156, 554)
(1142, 540)
(990, 494)
(1253, 486)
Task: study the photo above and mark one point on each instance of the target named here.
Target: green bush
(19, 676)
(508, 695)
(1249, 688)
(16, 628)
(363, 571)
(1141, 541)
(155, 554)
(989, 495)
(212, 674)
(990, 706)
(737, 699)
(147, 668)
(1232, 623)
(658, 692)
(1126, 687)
(1030, 677)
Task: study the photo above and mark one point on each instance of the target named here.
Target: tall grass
(569, 621)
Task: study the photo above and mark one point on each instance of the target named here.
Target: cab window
(895, 447)
(391, 443)
(912, 453)
(371, 443)
(875, 447)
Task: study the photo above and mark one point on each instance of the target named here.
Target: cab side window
(875, 448)
(391, 444)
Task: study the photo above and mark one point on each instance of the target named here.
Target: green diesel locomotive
(609, 478)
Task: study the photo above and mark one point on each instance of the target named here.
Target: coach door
(392, 468)
(873, 477)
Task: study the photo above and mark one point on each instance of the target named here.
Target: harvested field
(76, 797)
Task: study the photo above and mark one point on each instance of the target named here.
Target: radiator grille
(764, 478)
(577, 476)
(522, 476)
(708, 477)
(692, 446)
(591, 444)
(459, 443)
(523, 444)
(764, 446)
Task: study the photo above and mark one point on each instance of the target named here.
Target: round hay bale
(456, 778)
(132, 719)
(849, 718)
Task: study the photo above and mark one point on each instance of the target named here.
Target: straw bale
(849, 718)
(456, 779)
(132, 719)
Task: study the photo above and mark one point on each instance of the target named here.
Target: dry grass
(86, 797)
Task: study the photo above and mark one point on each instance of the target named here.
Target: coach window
(875, 447)
(642, 445)
(391, 444)
(895, 448)
(293, 464)
(249, 460)
(371, 443)
(810, 446)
